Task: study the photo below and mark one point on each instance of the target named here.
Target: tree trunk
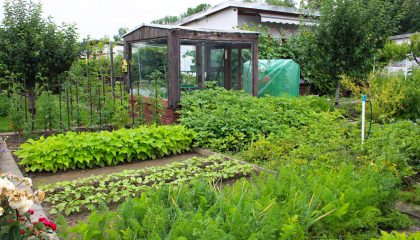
(31, 102)
(337, 93)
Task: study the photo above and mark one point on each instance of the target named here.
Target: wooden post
(228, 68)
(239, 76)
(111, 56)
(173, 70)
(127, 75)
(207, 63)
(129, 79)
(199, 65)
(254, 57)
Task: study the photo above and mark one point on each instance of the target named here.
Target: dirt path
(39, 179)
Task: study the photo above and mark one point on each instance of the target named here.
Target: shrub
(230, 120)
(392, 147)
(86, 150)
(392, 95)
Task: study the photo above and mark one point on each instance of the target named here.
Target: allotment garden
(289, 168)
(173, 140)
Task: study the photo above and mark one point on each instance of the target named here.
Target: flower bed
(87, 194)
(15, 210)
(86, 150)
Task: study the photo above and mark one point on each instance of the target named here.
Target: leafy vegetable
(86, 150)
(230, 120)
(88, 193)
(311, 202)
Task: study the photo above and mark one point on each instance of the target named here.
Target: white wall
(275, 28)
(225, 19)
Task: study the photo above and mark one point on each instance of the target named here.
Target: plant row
(86, 194)
(86, 150)
(316, 201)
(230, 120)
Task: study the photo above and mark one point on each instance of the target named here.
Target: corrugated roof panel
(274, 18)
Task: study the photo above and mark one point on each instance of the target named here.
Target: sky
(99, 18)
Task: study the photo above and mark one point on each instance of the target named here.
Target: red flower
(22, 231)
(53, 226)
(10, 220)
(47, 223)
(30, 211)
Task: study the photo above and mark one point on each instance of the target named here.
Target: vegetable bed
(86, 150)
(88, 193)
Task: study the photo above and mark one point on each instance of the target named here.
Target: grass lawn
(4, 125)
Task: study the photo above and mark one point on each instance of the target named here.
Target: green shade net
(275, 77)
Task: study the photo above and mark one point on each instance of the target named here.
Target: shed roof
(154, 31)
(192, 29)
(247, 6)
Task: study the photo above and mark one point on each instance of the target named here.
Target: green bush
(313, 202)
(392, 147)
(230, 120)
(86, 150)
(393, 96)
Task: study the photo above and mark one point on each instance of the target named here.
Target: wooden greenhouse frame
(210, 39)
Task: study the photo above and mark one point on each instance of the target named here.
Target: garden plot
(42, 178)
(88, 194)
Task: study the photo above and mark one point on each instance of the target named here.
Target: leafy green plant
(86, 150)
(231, 120)
(87, 194)
(394, 235)
(312, 202)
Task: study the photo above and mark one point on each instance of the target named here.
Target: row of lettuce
(326, 186)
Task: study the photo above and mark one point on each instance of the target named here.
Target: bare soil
(43, 178)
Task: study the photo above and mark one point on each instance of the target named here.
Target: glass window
(149, 68)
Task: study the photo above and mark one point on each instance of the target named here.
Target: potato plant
(86, 194)
(230, 120)
(86, 150)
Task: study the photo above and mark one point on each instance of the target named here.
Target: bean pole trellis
(82, 99)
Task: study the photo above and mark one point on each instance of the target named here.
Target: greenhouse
(183, 58)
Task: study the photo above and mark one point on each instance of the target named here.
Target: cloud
(98, 18)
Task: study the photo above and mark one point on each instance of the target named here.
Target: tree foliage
(196, 9)
(282, 3)
(409, 15)
(190, 11)
(399, 52)
(166, 20)
(121, 32)
(349, 35)
(34, 48)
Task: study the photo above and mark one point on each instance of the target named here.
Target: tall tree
(34, 48)
(349, 35)
(410, 20)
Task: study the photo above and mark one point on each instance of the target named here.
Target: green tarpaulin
(275, 77)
